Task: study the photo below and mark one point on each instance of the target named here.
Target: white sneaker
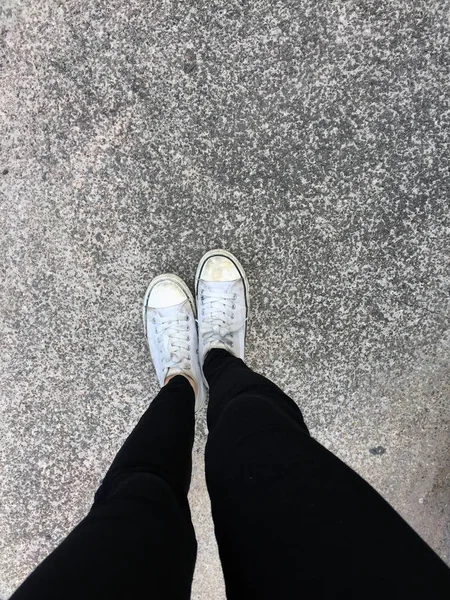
(169, 325)
(221, 289)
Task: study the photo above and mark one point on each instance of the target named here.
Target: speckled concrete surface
(310, 138)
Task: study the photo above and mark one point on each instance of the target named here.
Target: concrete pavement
(309, 138)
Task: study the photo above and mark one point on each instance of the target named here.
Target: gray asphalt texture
(312, 139)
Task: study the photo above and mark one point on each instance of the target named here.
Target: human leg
(291, 519)
(138, 540)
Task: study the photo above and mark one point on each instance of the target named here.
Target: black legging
(291, 520)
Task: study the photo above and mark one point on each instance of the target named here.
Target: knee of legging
(248, 414)
(134, 484)
(257, 408)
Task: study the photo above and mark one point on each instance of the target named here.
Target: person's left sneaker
(171, 331)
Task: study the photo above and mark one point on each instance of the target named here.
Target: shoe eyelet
(188, 367)
(188, 351)
(187, 328)
(231, 344)
(154, 320)
(232, 316)
(234, 306)
(235, 297)
(187, 317)
(188, 339)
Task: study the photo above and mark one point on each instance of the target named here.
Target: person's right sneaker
(221, 289)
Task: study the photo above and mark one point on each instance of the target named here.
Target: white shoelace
(217, 323)
(173, 341)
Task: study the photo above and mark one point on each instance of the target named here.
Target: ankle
(191, 381)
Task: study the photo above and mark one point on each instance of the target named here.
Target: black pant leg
(137, 541)
(291, 519)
